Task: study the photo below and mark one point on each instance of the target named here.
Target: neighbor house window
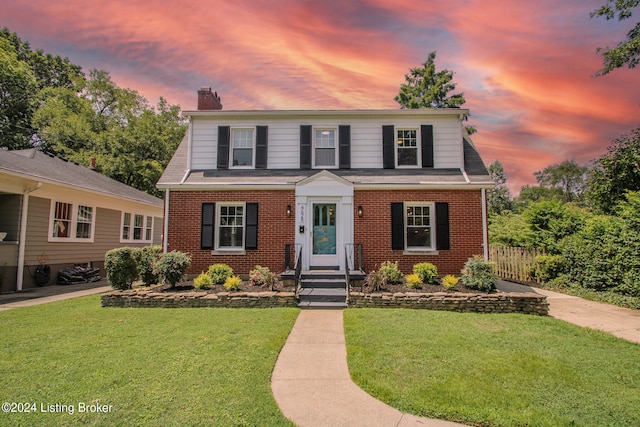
(230, 225)
(71, 222)
(419, 222)
(324, 148)
(242, 148)
(136, 228)
(407, 146)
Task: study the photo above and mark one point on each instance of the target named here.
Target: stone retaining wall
(149, 298)
(476, 303)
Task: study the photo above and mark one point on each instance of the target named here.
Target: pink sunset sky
(526, 68)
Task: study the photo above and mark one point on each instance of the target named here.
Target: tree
(626, 52)
(499, 198)
(615, 173)
(568, 176)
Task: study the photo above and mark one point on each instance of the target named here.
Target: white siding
(366, 138)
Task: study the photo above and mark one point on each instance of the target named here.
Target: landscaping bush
(449, 282)
(478, 274)
(146, 258)
(203, 281)
(413, 281)
(374, 280)
(390, 272)
(219, 273)
(121, 267)
(549, 267)
(171, 266)
(232, 283)
(426, 271)
(262, 276)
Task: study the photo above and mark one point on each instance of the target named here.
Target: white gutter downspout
(485, 234)
(165, 240)
(23, 234)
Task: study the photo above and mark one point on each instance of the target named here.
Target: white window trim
(336, 146)
(144, 227)
(74, 223)
(432, 226)
(418, 148)
(230, 249)
(253, 148)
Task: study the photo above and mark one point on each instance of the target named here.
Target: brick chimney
(208, 100)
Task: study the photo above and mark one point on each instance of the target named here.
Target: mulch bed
(425, 289)
(187, 286)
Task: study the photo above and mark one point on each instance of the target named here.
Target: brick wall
(275, 229)
(373, 230)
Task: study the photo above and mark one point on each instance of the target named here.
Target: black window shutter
(442, 225)
(305, 147)
(345, 146)
(397, 226)
(208, 227)
(224, 135)
(261, 146)
(426, 131)
(251, 238)
(388, 147)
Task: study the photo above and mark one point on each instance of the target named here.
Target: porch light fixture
(360, 211)
(288, 211)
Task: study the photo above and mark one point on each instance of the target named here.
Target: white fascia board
(285, 114)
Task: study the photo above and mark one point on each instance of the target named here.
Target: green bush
(413, 281)
(449, 282)
(426, 271)
(121, 267)
(146, 258)
(262, 276)
(549, 267)
(478, 274)
(232, 283)
(171, 266)
(203, 281)
(219, 273)
(390, 272)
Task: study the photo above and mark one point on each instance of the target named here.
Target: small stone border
(525, 303)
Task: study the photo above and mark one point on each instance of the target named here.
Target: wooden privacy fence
(515, 263)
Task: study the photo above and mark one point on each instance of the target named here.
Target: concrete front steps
(322, 289)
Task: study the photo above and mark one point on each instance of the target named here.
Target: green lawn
(494, 370)
(156, 367)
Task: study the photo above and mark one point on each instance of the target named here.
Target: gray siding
(10, 205)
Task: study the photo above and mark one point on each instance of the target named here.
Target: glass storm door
(324, 234)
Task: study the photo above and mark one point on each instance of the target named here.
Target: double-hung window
(71, 222)
(230, 224)
(136, 228)
(325, 153)
(419, 222)
(242, 144)
(407, 147)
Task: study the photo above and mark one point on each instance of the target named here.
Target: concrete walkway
(311, 381)
(621, 322)
(52, 293)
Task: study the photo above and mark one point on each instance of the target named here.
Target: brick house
(340, 188)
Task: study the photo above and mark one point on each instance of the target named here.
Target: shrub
(426, 271)
(390, 272)
(374, 280)
(146, 258)
(171, 267)
(203, 281)
(413, 281)
(549, 267)
(219, 273)
(232, 283)
(478, 274)
(121, 267)
(262, 276)
(449, 282)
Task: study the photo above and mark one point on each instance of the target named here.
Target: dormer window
(242, 148)
(324, 152)
(407, 147)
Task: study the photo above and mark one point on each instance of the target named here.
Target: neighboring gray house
(58, 213)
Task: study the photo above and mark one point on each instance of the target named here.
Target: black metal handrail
(347, 275)
(353, 255)
(298, 272)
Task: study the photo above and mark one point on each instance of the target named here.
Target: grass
(494, 370)
(155, 367)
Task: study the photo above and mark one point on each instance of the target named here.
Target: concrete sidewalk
(621, 322)
(45, 294)
(312, 385)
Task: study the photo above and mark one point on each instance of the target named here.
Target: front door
(324, 236)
